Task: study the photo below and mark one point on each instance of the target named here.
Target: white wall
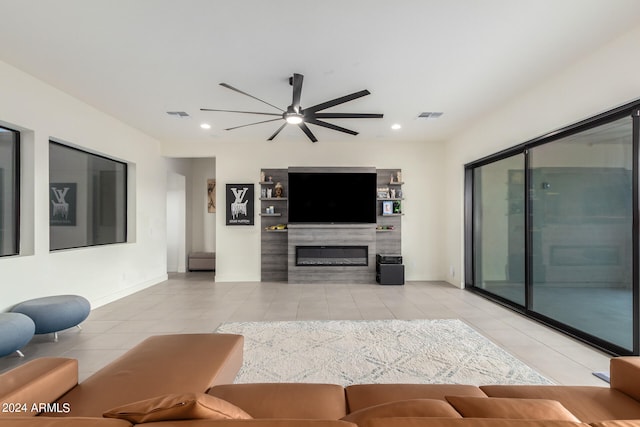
(204, 223)
(103, 273)
(176, 223)
(200, 224)
(238, 248)
(605, 79)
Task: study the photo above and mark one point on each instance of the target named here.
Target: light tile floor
(194, 303)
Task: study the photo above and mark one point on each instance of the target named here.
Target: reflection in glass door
(499, 232)
(581, 201)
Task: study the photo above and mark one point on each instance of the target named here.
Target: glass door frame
(631, 110)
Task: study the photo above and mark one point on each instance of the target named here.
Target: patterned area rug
(380, 351)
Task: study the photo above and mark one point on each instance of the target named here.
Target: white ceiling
(138, 59)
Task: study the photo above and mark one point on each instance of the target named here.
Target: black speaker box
(390, 274)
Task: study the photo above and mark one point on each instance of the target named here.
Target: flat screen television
(332, 197)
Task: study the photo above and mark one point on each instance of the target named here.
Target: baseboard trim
(99, 302)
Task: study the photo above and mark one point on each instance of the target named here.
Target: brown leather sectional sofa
(186, 381)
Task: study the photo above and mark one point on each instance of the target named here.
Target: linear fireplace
(332, 256)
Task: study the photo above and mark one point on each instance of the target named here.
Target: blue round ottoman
(16, 330)
(55, 313)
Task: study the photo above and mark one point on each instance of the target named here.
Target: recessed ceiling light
(205, 126)
(396, 126)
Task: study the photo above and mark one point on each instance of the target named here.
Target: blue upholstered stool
(16, 330)
(55, 313)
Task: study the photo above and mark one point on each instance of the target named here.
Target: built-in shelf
(396, 183)
(273, 214)
(394, 214)
(272, 199)
(277, 231)
(266, 183)
(384, 231)
(382, 199)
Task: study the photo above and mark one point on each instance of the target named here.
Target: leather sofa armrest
(625, 375)
(37, 382)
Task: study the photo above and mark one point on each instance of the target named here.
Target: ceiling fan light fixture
(294, 119)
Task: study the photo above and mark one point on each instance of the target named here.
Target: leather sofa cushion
(588, 403)
(38, 381)
(364, 395)
(625, 375)
(617, 423)
(466, 422)
(253, 423)
(506, 407)
(161, 364)
(404, 408)
(185, 406)
(285, 400)
(63, 422)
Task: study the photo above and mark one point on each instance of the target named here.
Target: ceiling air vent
(429, 115)
(179, 114)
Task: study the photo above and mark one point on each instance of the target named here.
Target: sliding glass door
(498, 217)
(552, 229)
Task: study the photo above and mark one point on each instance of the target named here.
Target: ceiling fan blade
(250, 96)
(246, 112)
(306, 130)
(277, 132)
(331, 126)
(297, 90)
(251, 124)
(338, 101)
(347, 116)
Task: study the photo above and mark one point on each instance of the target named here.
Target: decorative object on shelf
(391, 179)
(240, 210)
(263, 193)
(270, 179)
(269, 193)
(262, 176)
(397, 207)
(387, 207)
(399, 193)
(383, 193)
(278, 227)
(211, 195)
(393, 193)
(385, 227)
(279, 190)
(399, 176)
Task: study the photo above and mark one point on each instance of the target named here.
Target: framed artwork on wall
(211, 195)
(240, 204)
(63, 198)
(387, 207)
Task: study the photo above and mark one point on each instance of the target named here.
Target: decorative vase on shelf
(279, 190)
(269, 191)
(262, 176)
(399, 175)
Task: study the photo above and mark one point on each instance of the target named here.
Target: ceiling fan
(296, 115)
